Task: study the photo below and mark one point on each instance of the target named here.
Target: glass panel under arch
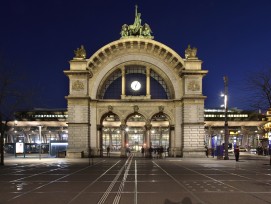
(111, 138)
(113, 85)
(158, 81)
(135, 138)
(160, 137)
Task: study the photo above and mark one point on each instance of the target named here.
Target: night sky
(232, 37)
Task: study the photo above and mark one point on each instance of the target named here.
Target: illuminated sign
(19, 147)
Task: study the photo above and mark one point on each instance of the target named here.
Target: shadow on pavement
(186, 200)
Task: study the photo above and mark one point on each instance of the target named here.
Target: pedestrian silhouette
(108, 151)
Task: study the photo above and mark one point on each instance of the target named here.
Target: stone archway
(135, 132)
(180, 79)
(110, 133)
(160, 134)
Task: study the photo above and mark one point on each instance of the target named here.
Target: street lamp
(226, 127)
(40, 141)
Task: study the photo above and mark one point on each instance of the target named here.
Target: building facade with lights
(35, 130)
(246, 128)
(136, 92)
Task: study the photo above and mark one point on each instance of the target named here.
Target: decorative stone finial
(190, 52)
(136, 29)
(80, 53)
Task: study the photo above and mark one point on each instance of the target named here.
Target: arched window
(112, 87)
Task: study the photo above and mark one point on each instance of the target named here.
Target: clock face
(135, 85)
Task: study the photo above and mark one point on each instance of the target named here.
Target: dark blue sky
(232, 37)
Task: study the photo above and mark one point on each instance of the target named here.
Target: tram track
(119, 179)
(117, 197)
(92, 183)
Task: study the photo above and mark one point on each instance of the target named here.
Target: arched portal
(136, 72)
(160, 131)
(135, 132)
(110, 133)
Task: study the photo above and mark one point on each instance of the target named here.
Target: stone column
(123, 82)
(148, 88)
(100, 143)
(110, 138)
(148, 127)
(170, 134)
(123, 140)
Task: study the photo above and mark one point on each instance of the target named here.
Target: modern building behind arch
(247, 129)
(136, 92)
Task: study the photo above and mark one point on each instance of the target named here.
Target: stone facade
(184, 109)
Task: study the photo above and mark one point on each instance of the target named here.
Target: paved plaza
(136, 180)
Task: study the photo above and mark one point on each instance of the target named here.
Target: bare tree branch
(13, 96)
(258, 89)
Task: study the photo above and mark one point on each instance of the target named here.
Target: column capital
(99, 127)
(148, 125)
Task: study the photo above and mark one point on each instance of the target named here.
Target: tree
(258, 88)
(12, 97)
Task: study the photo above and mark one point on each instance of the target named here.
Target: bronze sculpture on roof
(136, 29)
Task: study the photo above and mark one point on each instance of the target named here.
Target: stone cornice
(193, 72)
(188, 97)
(73, 72)
(191, 123)
(77, 97)
(73, 123)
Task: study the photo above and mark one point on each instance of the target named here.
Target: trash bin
(61, 154)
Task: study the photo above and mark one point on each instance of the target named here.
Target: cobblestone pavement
(136, 180)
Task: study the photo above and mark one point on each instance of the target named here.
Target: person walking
(206, 151)
(143, 151)
(236, 153)
(108, 151)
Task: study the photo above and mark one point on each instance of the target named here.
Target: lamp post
(40, 141)
(226, 127)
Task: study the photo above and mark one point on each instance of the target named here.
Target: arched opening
(151, 82)
(135, 132)
(111, 133)
(160, 131)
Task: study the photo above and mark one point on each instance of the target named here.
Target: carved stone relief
(193, 86)
(77, 85)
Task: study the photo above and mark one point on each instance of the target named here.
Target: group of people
(157, 152)
(262, 150)
(236, 152)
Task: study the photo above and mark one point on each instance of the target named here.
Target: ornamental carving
(80, 52)
(77, 85)
(161, 108)
(136, 109)
(193, 86)
(148, 125)
(190, 52)
(110, 108)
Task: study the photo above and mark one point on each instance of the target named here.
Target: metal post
(226, 144)
(40, 141)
